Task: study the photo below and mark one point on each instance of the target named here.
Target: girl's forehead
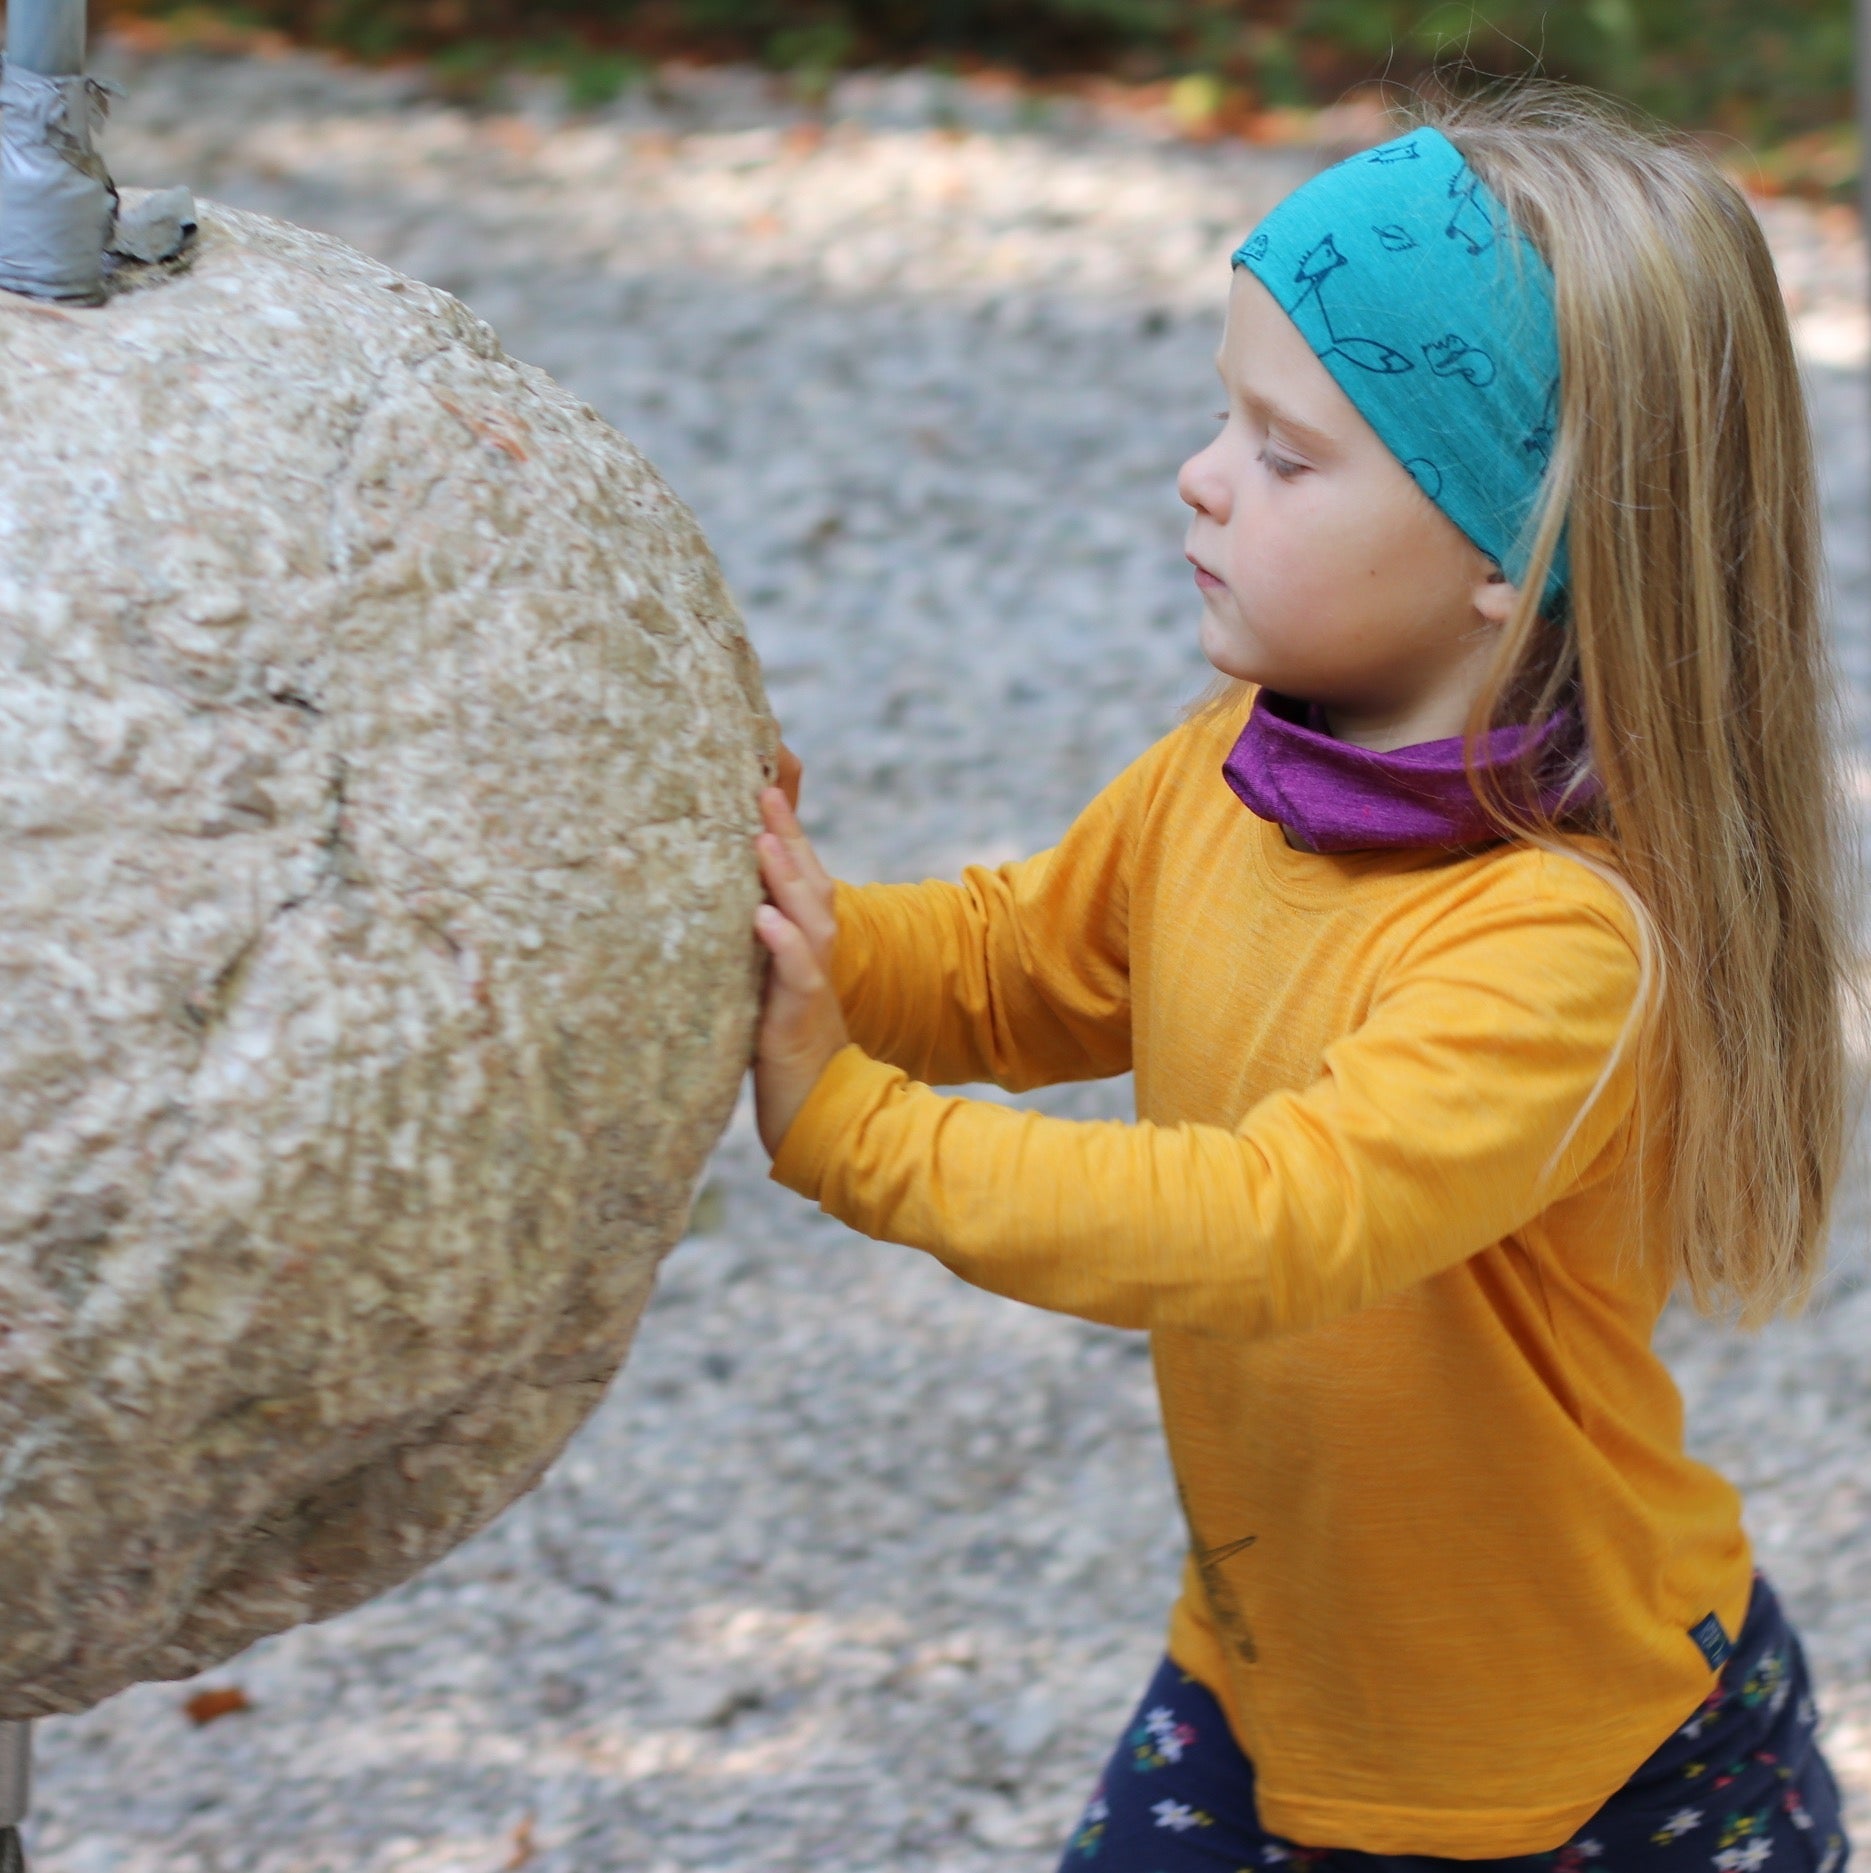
(1265, 360)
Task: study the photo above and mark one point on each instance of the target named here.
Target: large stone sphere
(378, 760)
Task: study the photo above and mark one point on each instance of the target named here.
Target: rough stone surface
(378, 748)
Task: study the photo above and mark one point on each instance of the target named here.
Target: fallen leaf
(206, 1706)
(524, 1846)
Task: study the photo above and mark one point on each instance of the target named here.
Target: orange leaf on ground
(224, 1701)
(524, 1846)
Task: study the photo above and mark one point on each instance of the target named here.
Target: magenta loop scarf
(1334, 796)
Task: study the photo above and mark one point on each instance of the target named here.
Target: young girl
(1479, 955)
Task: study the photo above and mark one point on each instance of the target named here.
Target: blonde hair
(1694, 645)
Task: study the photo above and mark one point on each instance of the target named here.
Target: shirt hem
(1361, 1827)
(1385, 1828)
(1488, 1834)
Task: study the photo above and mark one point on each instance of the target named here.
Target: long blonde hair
(1694, 645)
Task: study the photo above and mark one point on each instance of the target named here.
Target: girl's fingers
(783, 823)
(796, 988)
(793, 952)
(794, 878)
(791, 773)
(793, 959)
(803, 904)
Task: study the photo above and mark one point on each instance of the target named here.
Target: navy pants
(1740, 1788)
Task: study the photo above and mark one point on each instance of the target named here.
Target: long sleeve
(1425, 1138)
(1018, 975)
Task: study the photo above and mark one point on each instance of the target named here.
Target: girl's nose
(1201, 484)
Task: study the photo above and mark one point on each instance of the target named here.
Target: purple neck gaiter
(1333, 796)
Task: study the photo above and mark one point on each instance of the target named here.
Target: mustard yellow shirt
(1446, 1545)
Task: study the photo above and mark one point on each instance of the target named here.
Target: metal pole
(47, 36)
(15, 1788)
(56, 202)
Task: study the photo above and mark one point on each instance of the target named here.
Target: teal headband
(1434, 313)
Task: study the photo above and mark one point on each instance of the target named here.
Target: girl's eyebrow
(1277, 418)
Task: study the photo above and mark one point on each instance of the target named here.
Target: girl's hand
(792, 772)
(801, 1026)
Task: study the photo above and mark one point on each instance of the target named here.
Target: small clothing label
(1711, 1641)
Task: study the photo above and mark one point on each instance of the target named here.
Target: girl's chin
(1224, 649)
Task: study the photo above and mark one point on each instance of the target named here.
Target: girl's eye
(1281, 466)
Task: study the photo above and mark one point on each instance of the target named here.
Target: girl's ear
(1496, 596)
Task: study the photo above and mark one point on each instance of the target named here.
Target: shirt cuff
(852, 1086)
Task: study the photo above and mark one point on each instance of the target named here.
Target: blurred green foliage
(1736, 65)
(1757, 71)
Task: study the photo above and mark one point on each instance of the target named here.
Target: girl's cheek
(1291, 576)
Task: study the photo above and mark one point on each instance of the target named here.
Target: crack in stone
(209, 1009)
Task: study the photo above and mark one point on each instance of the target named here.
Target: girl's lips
(1206, 579)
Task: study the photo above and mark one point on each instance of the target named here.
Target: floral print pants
(1740, 1788)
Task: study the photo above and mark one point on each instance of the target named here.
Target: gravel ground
(856, 1568)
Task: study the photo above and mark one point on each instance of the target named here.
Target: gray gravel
(856, 1568)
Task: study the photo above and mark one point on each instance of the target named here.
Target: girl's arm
(1010, 976)
(1423, 1141)
(1019, 975)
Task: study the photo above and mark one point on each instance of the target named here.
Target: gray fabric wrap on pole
(56, 200)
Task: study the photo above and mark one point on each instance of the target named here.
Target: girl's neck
(1378, 733)
(1434, 709)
